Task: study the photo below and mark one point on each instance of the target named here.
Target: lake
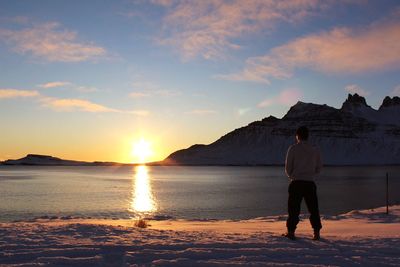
(28, 192)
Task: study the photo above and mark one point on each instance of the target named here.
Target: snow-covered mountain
(355, 134)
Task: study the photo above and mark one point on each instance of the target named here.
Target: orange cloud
(15, 93)
(74, 104)
(82, 89)
(206, 28)
(341, 50)
(48, 42)
(53, 84)
(287, 97)
(67, 104)
(70, 104)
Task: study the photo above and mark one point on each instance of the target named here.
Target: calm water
(181, 192)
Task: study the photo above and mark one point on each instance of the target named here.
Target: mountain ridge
(355, 134)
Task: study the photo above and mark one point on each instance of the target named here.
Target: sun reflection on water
(142, 201)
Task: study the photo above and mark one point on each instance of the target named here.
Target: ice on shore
(358, 238)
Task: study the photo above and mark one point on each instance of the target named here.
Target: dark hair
(302, 133)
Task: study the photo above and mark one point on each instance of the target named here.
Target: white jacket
(303, 162)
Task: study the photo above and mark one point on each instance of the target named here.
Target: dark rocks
(390, 102)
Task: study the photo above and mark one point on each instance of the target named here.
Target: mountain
(44, 160)
(355, 134)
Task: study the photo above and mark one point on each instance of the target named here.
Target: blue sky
(87, 79)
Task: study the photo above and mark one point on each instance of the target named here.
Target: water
(181, 192)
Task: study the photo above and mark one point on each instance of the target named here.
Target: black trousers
(297, 191)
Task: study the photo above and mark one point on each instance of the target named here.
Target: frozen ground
(359, 238)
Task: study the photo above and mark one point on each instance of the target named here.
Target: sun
(141, 150)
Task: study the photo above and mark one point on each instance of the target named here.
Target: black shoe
(316, 236)
(290, 235)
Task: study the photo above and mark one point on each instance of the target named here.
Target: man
(303, 163)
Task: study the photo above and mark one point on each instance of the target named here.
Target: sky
(89, 80)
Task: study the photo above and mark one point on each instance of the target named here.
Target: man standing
(303, 163)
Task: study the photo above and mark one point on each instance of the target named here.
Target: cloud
(287, 97)
(86, 89)
(16, 93)
(256, 71)
(82, 89)
(208, 28)
(139, 94)
(243, 111)
(147, 89)
(54, 84)
(74, 104)
(144, 85)
(396, 91)
(66, 104)
(167, 93)
(71, 104)
(341, 50)
(51, 43)
(201, 112)
(355, 89)
(163, 2)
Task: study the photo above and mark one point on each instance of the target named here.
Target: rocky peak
(301, 109)
(353, 102)
(358, 135)
(390, 102)
(268, 121)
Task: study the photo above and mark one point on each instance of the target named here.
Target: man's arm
(289, 162)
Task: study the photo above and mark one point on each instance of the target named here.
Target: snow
(356, 134)
(358, 238)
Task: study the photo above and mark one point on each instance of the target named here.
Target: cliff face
(356, 134)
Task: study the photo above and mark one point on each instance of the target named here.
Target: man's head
(302, 133)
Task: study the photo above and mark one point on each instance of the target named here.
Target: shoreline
(357, 238)
(183, 165)
(340, 225)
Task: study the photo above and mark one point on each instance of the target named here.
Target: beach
(357, 238)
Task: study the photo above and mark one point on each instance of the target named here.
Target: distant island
(355, 134)
(45, 160)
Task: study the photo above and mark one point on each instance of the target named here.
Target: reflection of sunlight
(142, 197)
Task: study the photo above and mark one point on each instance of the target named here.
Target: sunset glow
(142, 151)
(159, 132)
(178, 73)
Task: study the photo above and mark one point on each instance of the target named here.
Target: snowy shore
(359, 238)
